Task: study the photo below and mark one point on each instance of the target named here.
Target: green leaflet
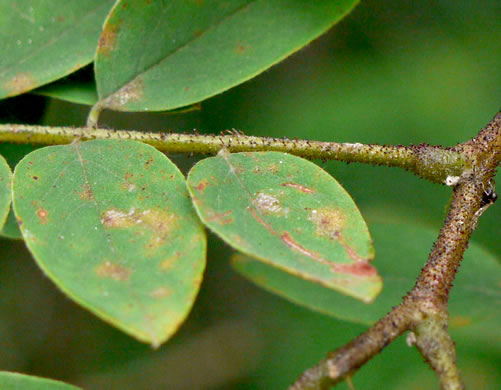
(43, 41)
(5, 195)
(14, 381)
(287, 212)
(163, 55)
(111, 223)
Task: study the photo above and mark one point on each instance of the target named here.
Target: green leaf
(11, 229)
(111, 223)
(80, 92)
(14, 381)
(287, 212)
(5, 194)
(475, 304)
(162, 55)
(46, 40)
(13, 153)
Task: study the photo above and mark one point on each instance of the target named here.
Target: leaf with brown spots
(197, 49)
(474, 307)
(115, 249)
(287, 212)
(5, 178)
(43, 41)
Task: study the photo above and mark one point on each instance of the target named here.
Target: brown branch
(424, 309)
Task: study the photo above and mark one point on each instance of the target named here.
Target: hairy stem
(436, 164)
(435, 344)
(424, 309)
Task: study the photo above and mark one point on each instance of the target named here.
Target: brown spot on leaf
(240, 48)
(114, 271)
(161, 292)
(168, 263)
(459, 321)
(21, 82)
(148, 163)
(298, 187)
(328, 222)
(107, 40)
(86, 193)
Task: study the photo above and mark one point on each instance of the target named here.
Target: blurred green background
(396, 72)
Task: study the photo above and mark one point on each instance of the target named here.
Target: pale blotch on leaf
(108, 269)
(328, 221)
(169, 263)
(43, 216)
(268, 204)
(161, 292)
(158, 222)
(130, 92)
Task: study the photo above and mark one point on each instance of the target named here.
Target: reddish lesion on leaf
(298, 187)
(220, 218)
(360, 267)
(108, 269)
(161, 292)
(200, 187)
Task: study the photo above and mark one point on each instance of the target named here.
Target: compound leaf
(111, 223)
(288, 212)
